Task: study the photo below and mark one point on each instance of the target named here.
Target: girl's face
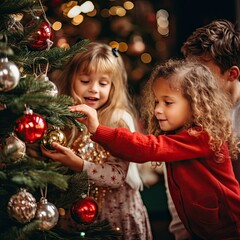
(172, 110)
(93, 89)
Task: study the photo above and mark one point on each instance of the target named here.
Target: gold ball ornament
(53, 135)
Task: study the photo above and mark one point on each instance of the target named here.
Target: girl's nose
(158, 109)
(93, 88)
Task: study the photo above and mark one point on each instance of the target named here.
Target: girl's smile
(93, 89)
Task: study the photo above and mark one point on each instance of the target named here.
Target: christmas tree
(34, 191)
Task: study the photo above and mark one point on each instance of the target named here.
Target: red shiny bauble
(30, 127)
(84, 210)
(42, 37)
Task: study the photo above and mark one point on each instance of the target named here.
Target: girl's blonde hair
(210, 106)
(100, 57)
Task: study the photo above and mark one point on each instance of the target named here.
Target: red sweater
(205, 192)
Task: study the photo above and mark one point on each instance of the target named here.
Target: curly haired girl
(191, 132)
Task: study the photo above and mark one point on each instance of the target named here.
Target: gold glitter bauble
(53, 135)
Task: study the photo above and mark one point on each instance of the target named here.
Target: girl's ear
(234, 73)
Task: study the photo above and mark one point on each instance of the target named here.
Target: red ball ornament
(42, 37)
(84, 210)
(30, 127)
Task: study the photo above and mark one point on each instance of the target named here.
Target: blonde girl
(97, 78)
(193, 135)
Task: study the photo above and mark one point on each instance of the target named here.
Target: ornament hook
(43, 192)
(40, 66)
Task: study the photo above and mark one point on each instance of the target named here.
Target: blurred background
(146, 33)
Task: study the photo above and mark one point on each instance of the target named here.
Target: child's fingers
(59, 147)
(83, 108)
(75, 108)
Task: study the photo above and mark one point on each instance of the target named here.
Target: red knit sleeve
(137, 147)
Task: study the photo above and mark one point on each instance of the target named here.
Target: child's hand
(91, 121)
(64, 155)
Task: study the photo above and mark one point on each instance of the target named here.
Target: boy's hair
(99, 57)
(209, 105)
(219, 40)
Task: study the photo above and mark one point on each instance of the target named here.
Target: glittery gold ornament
(53, 135)
(22, 206)
(89, 150)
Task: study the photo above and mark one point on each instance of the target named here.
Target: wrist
(93, 130)
(79, 167)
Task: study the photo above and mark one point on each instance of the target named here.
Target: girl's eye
(103, 83)
(84, 81)
(156, 102)
(168, 103)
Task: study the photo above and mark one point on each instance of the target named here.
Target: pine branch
(57, 57)
(34, 174)
(34, 94)
(39, 179)
(78, 184)
(13, 6)
(21, 233)
(94, 231)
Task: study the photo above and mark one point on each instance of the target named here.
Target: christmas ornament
(14, 24)
(42, 38)
(84, 210)
(30, 127)
(9, 75)
(22, 206)
(47, 214)
(15, 147)
(52, 91)
(40, 67)
(89, 150)
(53, 134)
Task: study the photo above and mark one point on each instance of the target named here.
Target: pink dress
(115, 185)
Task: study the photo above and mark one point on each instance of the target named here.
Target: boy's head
(217, 45)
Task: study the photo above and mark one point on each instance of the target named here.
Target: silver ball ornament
(15, 147)
(52, 91)
(47, 214)
(9, 75)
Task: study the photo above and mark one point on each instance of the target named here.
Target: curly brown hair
(219, 39)
(210, 106)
